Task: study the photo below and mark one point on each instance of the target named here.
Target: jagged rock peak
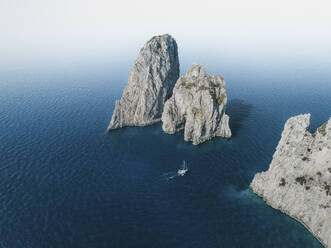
(298, 181)
(196, 70)
(197, 106)
(150, 84)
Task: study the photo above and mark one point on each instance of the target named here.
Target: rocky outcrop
(197, 106)
(298, 181)
(150, 84)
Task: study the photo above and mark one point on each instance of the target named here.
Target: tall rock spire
(150, 84)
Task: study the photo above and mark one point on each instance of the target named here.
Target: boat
(183, 169)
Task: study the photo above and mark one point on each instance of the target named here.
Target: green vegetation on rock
(301, 180)
(282, 182)
(305, 159)
(327, 189)
(221, 98)
(322, 129)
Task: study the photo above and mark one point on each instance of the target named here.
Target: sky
(37, 31)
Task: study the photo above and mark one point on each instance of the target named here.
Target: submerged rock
(150, 84)
(298, 181)
(197, 106)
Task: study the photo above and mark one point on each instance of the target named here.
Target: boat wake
(169, 175)
(181, 172)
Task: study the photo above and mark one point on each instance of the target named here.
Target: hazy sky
(38, 29)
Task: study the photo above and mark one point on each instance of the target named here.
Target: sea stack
(197, 105)
(298, 181)
(150, 84)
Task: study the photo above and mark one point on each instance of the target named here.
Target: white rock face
(197, 106)
(298, 181)
(150, 84)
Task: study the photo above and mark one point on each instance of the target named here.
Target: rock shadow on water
(151, 129)
(238, 111)
(245, 196)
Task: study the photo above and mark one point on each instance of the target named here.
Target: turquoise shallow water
(65, 182)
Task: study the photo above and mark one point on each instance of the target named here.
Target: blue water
(65, 182)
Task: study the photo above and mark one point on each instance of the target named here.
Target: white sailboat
(182, 171)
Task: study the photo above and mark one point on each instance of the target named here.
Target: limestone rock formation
(197, 106)
(150, 84)
(298, 181)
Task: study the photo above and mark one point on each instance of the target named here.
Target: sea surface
(66, 182)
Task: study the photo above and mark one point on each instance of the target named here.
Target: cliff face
(298, 181)
(197, 106)
(150, 84)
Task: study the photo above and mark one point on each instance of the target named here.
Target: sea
(66, 182)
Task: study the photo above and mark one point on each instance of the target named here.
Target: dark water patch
(238, 110)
